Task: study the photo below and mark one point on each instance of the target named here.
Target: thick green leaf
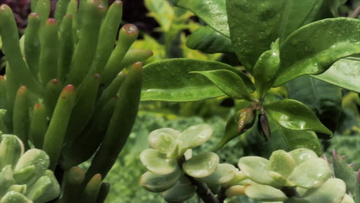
(313, 48)
(253, 26)
(201, 165)
(170, 80)
(208, 40)
(344, 171)
(213, 12)
(164, 140)
(181, 191)
(264, 193)
(282, 162)
(294, 115)
(266, 69)
(256, 168)
(302, 154)
(159, 183)
(332, 191)
(344, 73)
(228, 82)
(322, 98)
(223, 174)
(157, 162)
(194, 136)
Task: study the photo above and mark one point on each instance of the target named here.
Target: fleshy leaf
(256, 168)
(11, 148)
(332, 191)
(302, 154)
(313, 48)
(264, 193)
(201, 165)
(159, 183)
(14, 197)
(194, 136)
(164, 140)
(157, 162)
(282, 162)
(170, 80)
(181, 191)
(303, 177)
(228, 82)
(223, 174)
(294, 115)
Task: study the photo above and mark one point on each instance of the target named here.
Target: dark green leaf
(208, 40)
(294, 115)
(313, 48)
(344, 73)
(322, 98)
(170, 80)
(213, 12)
(228, 82)
(266, 69)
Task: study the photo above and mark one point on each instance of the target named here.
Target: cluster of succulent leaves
(65, 89)
(24, 177)
(295, 176)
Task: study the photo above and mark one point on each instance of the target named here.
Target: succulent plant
(24, 177)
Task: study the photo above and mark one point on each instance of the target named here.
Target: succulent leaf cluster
(24, 177)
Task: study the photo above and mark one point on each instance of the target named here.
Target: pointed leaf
(164, 140)
(213, 12)
(332, 191)
(294, 115)
(313, 48)
(228, 82)
(201, 165)
(159, 183)
(264, 193)
(157, 162)
(194, 136)
(344, 73)
(170, 80)
(303, 177)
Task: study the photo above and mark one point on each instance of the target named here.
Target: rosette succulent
(24, 177)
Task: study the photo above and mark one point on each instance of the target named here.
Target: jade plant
(24, 177)
(295, 176)
(72, 88)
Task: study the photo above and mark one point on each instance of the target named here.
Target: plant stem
(203, 191)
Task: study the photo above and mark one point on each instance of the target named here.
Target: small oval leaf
(332, 191)
(256, 168)
(264, 193)
(157, 162)
(181, 191)
(302, 154)
(223, 174)
(164, 140)
(159, 183)
(201, 165)
(194, 136)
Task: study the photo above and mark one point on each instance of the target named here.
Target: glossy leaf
(253, 26)
(157, 163)
(159, 183)
(256, 168)
(313, 48)
(344, 73)
(164, 140)
(305, 178)
(266, 69)
(228, 82)
(213, 12)
(322, 98)
(181, 191)
(207, 40)
(282, 162)
(332, 191)
(194, 136)
(170, 80)
(302, 154)
(223, 174)
(294, 115)
(201, 165)
(264, 193)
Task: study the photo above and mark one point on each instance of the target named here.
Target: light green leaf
(194, 136)
(302, 154)
(344, 73)
(11, 148)
(170, 80)
(305, 178)
(294, 115)
(159, 183)
(223, 174)
(313, 48)
(256, 168)
(162, 11)
(201, 165)
(6, 179)
(332, 191)
(208, 40)
(14, 197)
(228, 82)
(157, 162)
(164, 140)
(264, 193)
(282, 162)
(213, 12)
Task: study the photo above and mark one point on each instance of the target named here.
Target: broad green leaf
(201, 165)
(194, 136)
(208, 40)
(164, 140)
(294, 115)
(344, 73)
(256, 168)
(228, 82)
(181, 191)
(213, 12)
(264, 193)
(302, 154)
(322, 98)
(162, 11)
(157, 162)
(253, 26)
(266, 69)
(305, 178)
(313, 48)
(332, 191)
(223, 174)
(282, 162)
(170, 80)
(159, 183)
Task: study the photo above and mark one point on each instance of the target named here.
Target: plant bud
(246, 119)
(263, 126)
